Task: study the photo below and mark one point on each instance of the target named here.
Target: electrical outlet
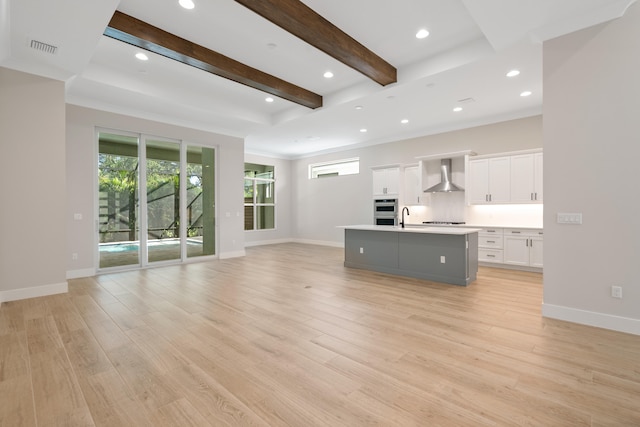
(361, 250)
(442, 259)
(616, 291)
(74, 256)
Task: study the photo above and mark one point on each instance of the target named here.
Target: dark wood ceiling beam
(304, 23)
(145, 36)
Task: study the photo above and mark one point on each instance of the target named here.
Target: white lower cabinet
(523, 247)
(490, 245)
(513, 246)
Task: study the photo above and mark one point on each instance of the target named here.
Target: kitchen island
(440, 254)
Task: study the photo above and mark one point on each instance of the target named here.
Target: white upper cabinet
(509, 178)
(489, 180)
(412, 194)
(537, 170)
(526, 178)
(386, 182)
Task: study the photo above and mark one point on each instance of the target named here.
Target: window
(259, 197)
(335, 168)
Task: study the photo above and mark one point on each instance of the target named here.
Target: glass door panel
(200, 209)
(163, 200)
(265, 217)
(118, 210)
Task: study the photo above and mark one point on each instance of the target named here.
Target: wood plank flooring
(287, 336)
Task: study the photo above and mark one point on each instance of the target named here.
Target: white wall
(592, 151)
(322, 204)
(282, 232)
(81, 160)
(32, 172)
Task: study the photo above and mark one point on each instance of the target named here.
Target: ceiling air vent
(43, 47)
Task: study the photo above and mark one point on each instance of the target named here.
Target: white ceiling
(473, 43)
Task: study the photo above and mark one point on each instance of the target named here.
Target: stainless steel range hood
(445, 185)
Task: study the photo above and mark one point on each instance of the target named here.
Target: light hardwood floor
(287, 336)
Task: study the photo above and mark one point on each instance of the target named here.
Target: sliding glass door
(200, 212)
(118, 207)
(176, 211)
(163, 200)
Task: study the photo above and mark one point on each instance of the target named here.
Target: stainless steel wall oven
(385, 211)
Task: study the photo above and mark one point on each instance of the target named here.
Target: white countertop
(482, 226)
(414, 229)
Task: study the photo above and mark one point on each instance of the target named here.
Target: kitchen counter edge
(454, 230)
(526, 227)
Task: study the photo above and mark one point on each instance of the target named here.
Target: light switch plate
(569, 218)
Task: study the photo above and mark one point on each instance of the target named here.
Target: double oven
(385, 211)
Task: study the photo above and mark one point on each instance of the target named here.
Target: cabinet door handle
(491, 256)
(491, 241)
(515, 232)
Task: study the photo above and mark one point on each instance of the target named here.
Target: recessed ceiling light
(526, 93)
(141, 56)
(328, 75)
(421, 34)
(363, 130)
(187, 4)
(359, 107)
(404, 121)
(513, 73)
(269, 99)
(457, 109)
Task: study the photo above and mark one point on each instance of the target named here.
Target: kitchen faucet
(403, 209)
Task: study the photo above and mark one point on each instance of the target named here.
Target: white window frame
(256, 180)
(341, 167)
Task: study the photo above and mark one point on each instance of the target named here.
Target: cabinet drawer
(485, 241)
(526, 232)
(491, 232)
(490, 255)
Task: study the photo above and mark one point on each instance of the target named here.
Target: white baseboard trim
(302, 241)
(266, 242)
(33, 292)
(234, 254)
(592, 318)
(77, 274)
(510, 267)
(320, 242)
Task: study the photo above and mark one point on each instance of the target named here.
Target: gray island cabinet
(440, 254)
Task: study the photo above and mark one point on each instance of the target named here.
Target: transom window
(334, 168)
